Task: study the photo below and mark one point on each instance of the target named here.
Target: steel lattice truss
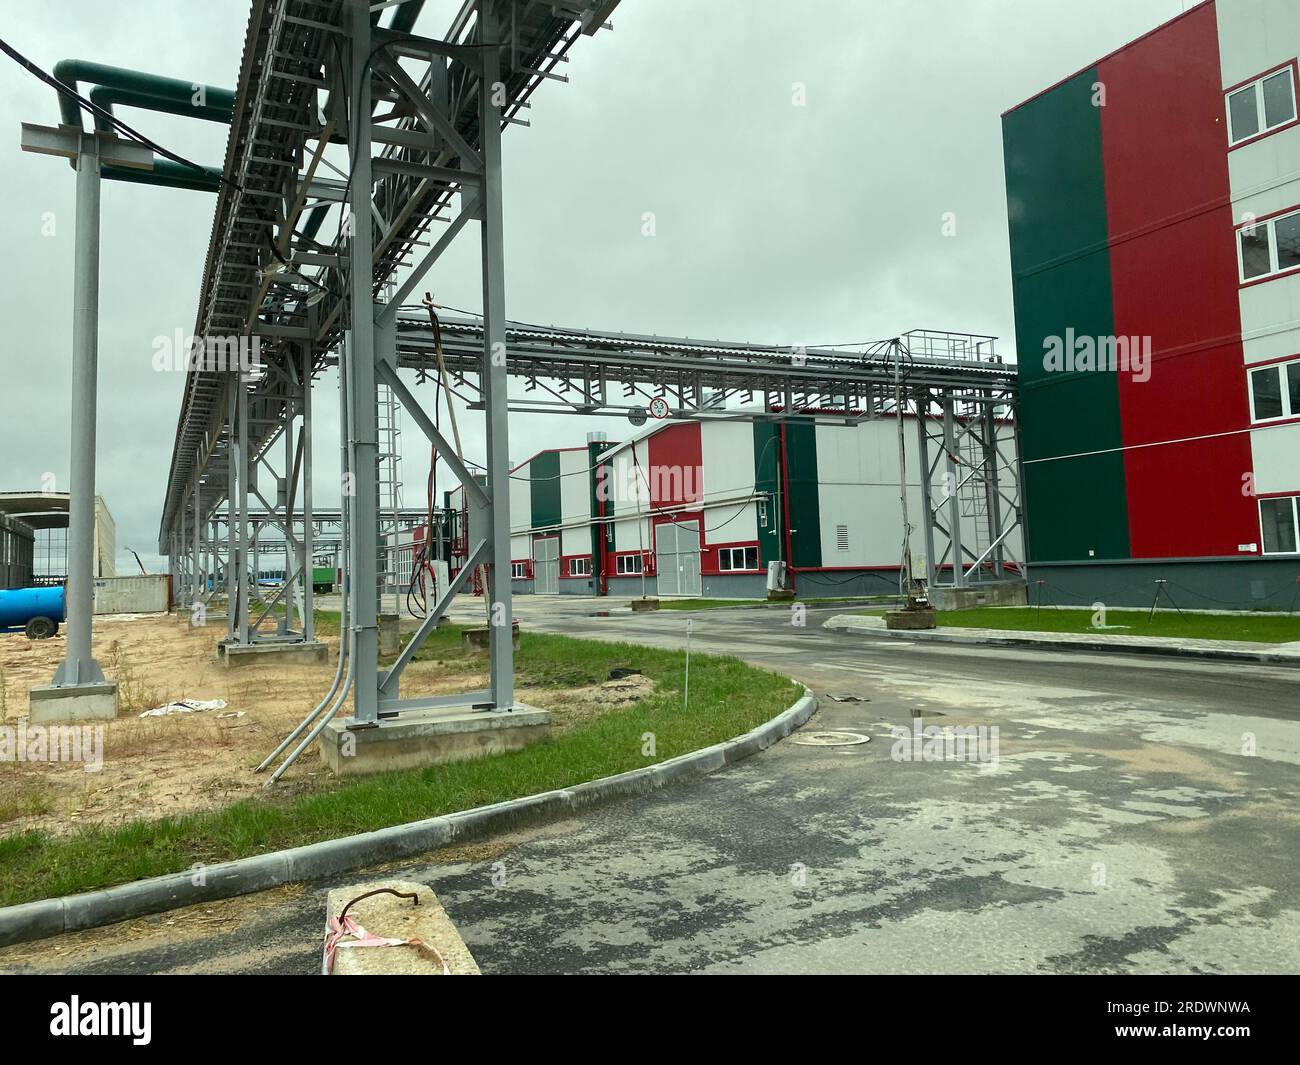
(269, 271)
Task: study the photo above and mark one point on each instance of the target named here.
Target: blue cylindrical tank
(19, 605)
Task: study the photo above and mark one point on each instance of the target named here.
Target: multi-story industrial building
(1154, 203)
(702, 507)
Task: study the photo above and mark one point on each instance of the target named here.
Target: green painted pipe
(133, 88)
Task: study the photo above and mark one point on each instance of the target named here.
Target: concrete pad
(390, 917)
(73, 702)
(481, 636)
(272, 653)
(430, 737)
(639, 605)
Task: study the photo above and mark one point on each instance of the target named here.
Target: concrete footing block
(482, 636)
(910, 620)
(639, 605)
(73, 702)
(437, 950)
(235, 657)
(429, 737)
(390, 637)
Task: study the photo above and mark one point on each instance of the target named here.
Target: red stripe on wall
(1165, 155)
(675, 468)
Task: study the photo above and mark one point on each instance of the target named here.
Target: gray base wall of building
(631, 586)
(1193, 584)
(838, 584)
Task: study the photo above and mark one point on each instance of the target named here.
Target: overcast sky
(775, 223)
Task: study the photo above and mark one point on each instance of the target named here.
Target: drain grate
(831, 739)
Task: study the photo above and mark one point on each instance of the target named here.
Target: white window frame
(727, 559)
(580, 566)
(1295, 523)
(519, 571)
(1284, 372)
(1274, 270)
(623, 565)
(1258, 86)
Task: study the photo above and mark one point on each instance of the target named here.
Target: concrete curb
(1155, 650)
(71, 913)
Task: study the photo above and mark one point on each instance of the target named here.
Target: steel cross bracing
(270, 272)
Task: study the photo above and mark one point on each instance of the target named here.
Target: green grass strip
(728, 698)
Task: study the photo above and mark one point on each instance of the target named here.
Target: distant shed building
(703, 507)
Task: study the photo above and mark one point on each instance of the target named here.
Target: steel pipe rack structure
(422, 120)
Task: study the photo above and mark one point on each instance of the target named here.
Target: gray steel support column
(285, 623)
(361, 380)
(993, 504)
(309, 561)
(494, 375)
(241, 538)
(232, 489)
(196, 592)
(927, 489)
(79, 666)
(954, 502)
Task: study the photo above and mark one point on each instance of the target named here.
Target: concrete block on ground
(439, 951)
(910, 619)
(73, 702)
(780, 594)
(272, 653)
(481, 636)
(999, 593)
(430, 737)
(639, 605)
(390, 638)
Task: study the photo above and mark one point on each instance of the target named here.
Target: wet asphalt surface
(1142, 815)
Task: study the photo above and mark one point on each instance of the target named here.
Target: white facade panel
(1270, 319)
(1275, 453)
(727, 452)
(575, 502)
(737, 523)
(1255, 36)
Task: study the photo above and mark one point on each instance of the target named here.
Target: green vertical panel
(544, 489)
(767, 449)
(805, 506)
(1060, 265)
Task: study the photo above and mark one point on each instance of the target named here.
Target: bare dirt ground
(188, 762)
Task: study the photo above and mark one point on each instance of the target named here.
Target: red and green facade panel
(1121, 221)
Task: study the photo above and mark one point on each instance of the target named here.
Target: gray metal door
(546, 566)
(677, 556)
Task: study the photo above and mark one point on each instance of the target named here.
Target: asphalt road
(1142, 815)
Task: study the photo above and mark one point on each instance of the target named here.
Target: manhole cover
(832, 739)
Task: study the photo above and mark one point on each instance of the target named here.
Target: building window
(1278, 524)
(1271, 246)
(580, 567)
(731, 559)
(627, 564)
(1261, 106)
(1275, 391)
(841, 537)
(519, 571)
